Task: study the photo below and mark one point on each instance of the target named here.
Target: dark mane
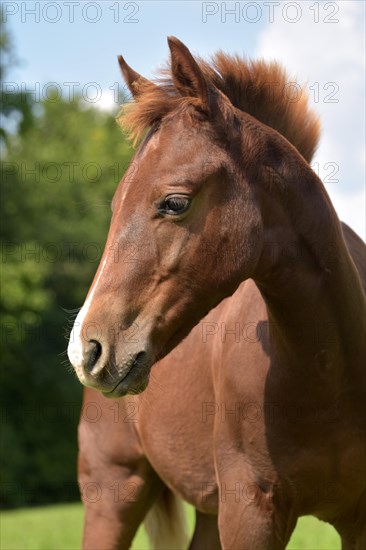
(258, 88)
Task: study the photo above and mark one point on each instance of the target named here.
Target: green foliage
(58, 179)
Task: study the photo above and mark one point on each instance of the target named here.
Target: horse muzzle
(115, 372)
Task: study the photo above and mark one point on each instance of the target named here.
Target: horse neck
(316, 305)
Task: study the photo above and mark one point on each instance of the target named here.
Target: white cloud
(107, 101)
(327, 53)
(347, 207)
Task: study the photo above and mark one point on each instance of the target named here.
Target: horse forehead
(151, 143)
(174, 152)
(176, 135)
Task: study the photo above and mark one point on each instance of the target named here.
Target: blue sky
(84, 51)
(321, 43)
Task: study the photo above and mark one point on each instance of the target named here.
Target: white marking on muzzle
(75, 347)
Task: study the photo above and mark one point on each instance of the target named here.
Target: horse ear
(187, 76)
(130, 76)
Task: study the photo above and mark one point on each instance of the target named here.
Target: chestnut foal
(223, 235)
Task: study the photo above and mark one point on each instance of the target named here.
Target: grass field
(60, 527)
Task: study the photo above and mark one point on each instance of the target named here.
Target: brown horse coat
(258, 416)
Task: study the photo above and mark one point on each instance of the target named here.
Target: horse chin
(134, 382)
(137, 378)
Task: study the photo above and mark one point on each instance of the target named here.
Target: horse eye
(175, 205)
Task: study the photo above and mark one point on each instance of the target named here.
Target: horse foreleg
(251, 514)
(206, 533)
(352, 526)
(117, 483)
(116, 505)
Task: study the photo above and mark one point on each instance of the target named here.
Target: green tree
(58, 179)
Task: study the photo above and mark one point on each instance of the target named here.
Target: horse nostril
(95, 351)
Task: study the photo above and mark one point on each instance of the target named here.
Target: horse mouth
(134, 380)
